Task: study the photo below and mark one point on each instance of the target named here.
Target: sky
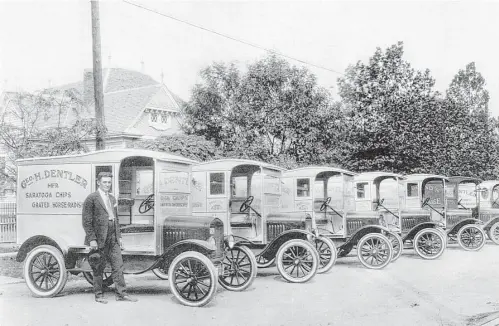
(49, 43)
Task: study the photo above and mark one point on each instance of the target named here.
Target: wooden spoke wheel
(327, 254)
(297, 261)
(107, 279)
(471, 237)
(429, 243)
(493, 233)
(193, 279)
(262, 262)
(239, 269)
(45, 271)
(397, 245)
(374, 251)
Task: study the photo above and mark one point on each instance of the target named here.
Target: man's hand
(93, 244)
(121, 244)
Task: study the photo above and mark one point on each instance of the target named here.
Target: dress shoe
(100, 300)
(126, 298)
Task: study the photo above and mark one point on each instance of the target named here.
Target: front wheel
(494, 233)
(374, 251)
(397, 245)
(239, 269)
(429, 243)
(160, 273)
(471, 237)
(45, 271)
(297, 261)
(327, 254)
(193, 279)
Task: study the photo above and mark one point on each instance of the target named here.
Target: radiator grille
(172, 236)
(275, 229)
(452, 220)
(354, 224)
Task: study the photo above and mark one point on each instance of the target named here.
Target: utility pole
(97, 73)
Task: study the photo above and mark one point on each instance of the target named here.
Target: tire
(107, 279)
(45, 271)
(494, 233)
(471, 237)
(239, 269)
(261, 262)
(397, 245)
(160, 273)
(300, 256)
(327, 254)
(374, 251)
(429, 243)
(193, 271)
(444, 235)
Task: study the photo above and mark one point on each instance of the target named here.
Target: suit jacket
(95, 219)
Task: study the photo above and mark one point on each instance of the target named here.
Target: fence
(8, 222)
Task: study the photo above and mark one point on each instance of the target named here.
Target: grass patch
(4, 248)
(10, 267)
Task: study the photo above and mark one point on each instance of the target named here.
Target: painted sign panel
(173, 203)
(287, 197)
(53, 189)
(174, 182)
(217, 205)
(198, 190)
(435, 192)
(467, 195)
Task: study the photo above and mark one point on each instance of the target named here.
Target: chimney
(88, 88)
(162, 76)
(109, 61)
(142, 68)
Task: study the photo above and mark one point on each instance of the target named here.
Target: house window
(164, 117)
(154, 116)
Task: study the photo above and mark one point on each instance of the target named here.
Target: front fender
(464, 222)
(412, 233)
(271, 249)
(366, 230)
(57, 241)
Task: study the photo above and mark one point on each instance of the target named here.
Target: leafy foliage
(190, 146)
(33, 125)
(274, 112)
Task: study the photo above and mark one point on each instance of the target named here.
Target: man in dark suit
(103, 235)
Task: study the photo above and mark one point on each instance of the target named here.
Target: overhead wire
(231, 37)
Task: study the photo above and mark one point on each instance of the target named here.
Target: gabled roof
(126, 94)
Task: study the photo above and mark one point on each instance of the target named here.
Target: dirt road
(460, 288)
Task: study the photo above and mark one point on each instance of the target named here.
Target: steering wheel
(325, 203)
(426, 201)
(147, 204)
(378, 202)
(246, 204)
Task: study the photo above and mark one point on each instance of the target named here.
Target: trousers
(112, 253)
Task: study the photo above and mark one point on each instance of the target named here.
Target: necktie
(109, 207)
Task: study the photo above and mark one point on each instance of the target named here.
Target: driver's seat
(241, 220)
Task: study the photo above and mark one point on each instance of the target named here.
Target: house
(136, 107)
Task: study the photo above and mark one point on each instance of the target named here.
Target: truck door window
(217, 183)
(303, 187)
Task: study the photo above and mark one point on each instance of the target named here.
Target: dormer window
(160, 119)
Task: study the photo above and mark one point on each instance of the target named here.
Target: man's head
(104, 181)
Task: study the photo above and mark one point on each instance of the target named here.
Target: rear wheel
(161, 273)
(374, 251)
(239, 269)
(107, 280)
(45, 271)
(429, 243)
(494, 233)
(327, 254)
(397, 245)
(193, 279)
(263, 262)
(471, 237)
(297, 261)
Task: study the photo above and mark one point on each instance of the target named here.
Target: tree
(273, 112)
(393, 115)
(472, 139)
(191, 146)
(23, 125)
